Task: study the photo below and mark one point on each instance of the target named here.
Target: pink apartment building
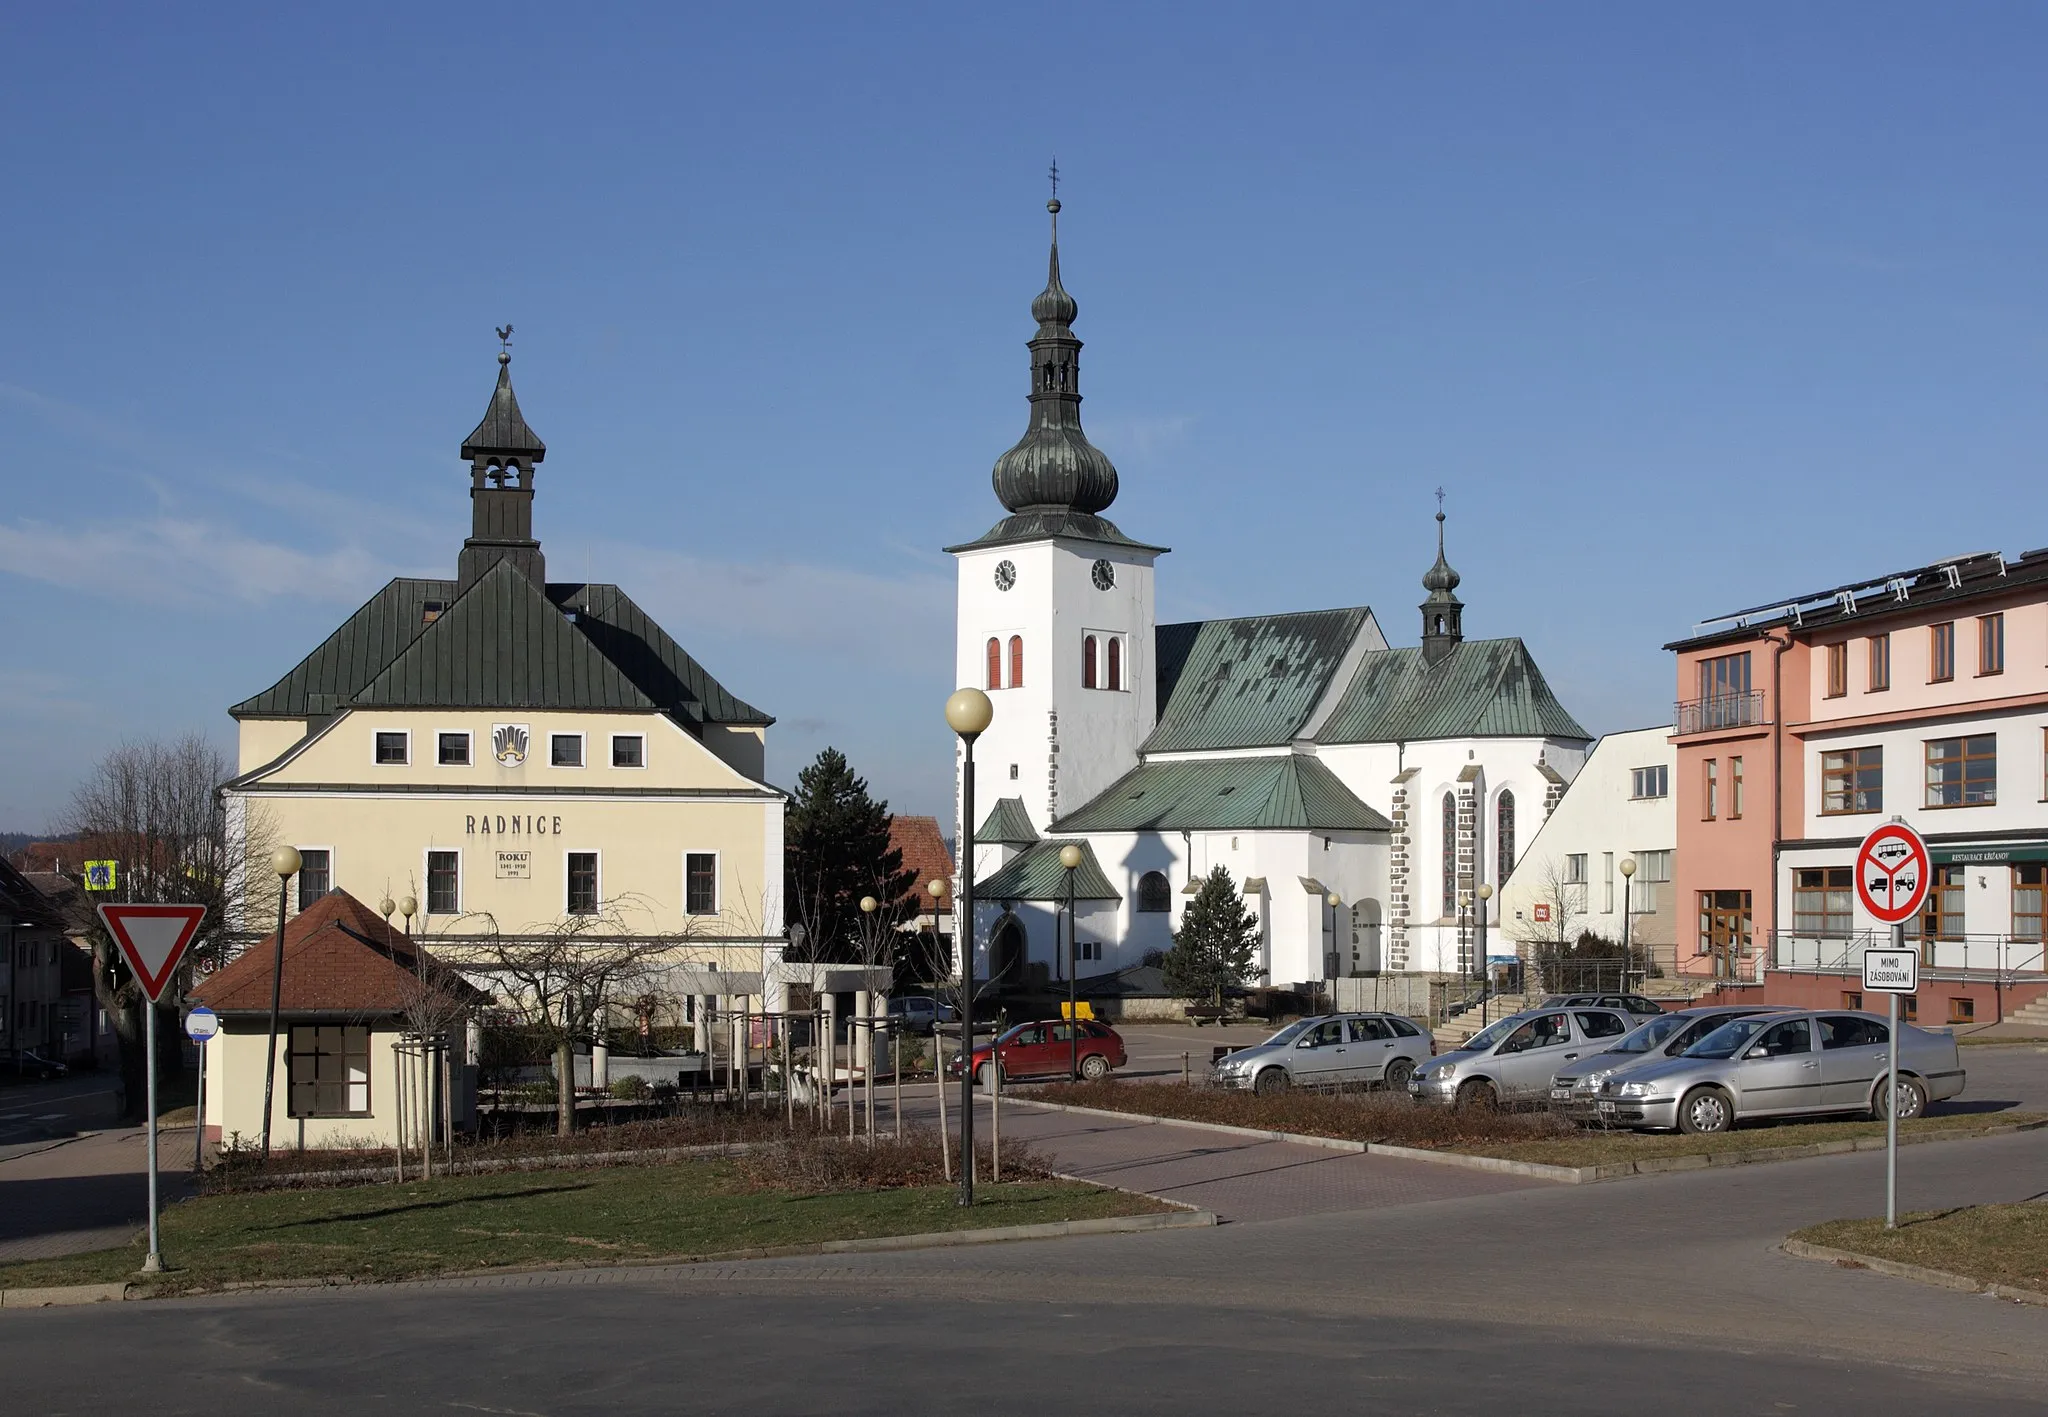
(1804, 723)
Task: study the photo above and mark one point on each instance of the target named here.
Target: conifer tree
(1217, 944)
(836, 850)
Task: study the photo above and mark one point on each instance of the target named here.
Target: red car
(1047, 1047)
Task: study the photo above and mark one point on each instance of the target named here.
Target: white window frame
(427, 881)
(469, 750)
(1575, 867)
(1102, 639)
(376, 733)
(717, 885)
(598, 903)
(641, 766)
(1663, 770)
(1643, 875)
(302, 850)
(582, 751)
(1607, 867)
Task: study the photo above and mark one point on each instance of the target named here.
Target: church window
(1016, 661)
(1450, 854)
(1087, 661)
(1155, 893)
(1116, 662)
(1504, 835)
(995, 664)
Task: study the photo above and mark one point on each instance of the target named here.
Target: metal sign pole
(199, 1117)
(1891, 1097)
(153, 1263)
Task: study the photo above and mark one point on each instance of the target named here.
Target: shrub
(1368, 1117)
(632, 1088)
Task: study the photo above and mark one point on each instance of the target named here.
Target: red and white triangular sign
(153, 938)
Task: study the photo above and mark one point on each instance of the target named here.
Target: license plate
(1560, 1094)
(1415, 1084)
(1607, 1107)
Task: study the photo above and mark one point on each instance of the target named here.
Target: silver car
(1329, 1049)
(1515, 1058)
(1785, 1064)
(1573, 1091)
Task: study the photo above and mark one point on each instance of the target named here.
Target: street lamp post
(1070, 858)
(968, 713)
(1333, 900)
(285, 861)
(1485, 966)
(937, 886)
(1628, 877)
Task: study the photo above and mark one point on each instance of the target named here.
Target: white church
(1356, 790)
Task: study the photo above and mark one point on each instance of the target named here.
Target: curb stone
(1184, 1218)
(1919, 1274)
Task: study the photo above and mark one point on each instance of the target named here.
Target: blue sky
(1684, 308)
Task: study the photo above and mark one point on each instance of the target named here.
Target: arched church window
(1016, 661)
(995, 664)
(1155, 893)
(1087, 661)
(1116, 662)
(1450, 855)
(1504, 835)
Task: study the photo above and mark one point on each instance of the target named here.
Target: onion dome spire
(1442, 613)
(1053, 467)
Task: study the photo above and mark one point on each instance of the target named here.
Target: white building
(1353, 789)
(1572, 876)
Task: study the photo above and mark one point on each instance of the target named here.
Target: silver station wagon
(1319, 1052)
(1573, 1092)
(1783, 1064)
(1515, 1058)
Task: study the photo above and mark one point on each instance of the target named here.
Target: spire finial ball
(1053, 206)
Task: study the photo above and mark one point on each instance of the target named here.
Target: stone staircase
(1454, 1031)
(2034, 1015)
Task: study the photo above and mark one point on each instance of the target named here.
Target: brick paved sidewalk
(89, 1193)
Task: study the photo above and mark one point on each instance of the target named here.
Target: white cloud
(184, 560)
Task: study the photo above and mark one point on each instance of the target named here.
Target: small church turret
(503, 452)
(1443, 626)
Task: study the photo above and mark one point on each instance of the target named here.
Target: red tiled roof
(924, 851)
(339, 957)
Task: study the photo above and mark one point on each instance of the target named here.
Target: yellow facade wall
(234, 1093)
(263, 739)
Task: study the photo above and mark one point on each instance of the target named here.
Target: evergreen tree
(836, 850)
(1217, 944)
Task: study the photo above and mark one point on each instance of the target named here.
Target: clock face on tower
(1103, 574)
(1006, 575)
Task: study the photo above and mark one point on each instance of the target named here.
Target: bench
(1199, 1014)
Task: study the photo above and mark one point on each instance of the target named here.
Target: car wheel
(1478, 1096)
(1912, 1099)
(1271, 1082)
(1095, 1067)
(1398, 1073)
(1705, 1111)
(981, 1077)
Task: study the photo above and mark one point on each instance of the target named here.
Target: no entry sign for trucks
(1892, 873)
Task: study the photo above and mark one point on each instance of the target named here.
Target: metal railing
(1720, 711)
(2002, 957)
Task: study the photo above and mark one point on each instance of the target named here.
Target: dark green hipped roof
(642, 658)
(502, 644)
(1288, 791)
(1248, 683)
(1478, 689)
(1008, 824)
(1038, 875)
(1038, 524)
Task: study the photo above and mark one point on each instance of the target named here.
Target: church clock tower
(1055, 610)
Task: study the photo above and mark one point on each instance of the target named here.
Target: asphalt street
(1658, 1294)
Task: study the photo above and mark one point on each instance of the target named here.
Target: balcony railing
(2003, 957)
(1721, 711)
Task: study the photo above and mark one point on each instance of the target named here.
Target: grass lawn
(542, 1218)
(1996, 1244)
(1593, 1148)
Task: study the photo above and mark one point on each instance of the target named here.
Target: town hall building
(1357, 791)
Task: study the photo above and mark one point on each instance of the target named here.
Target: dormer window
(431, 610)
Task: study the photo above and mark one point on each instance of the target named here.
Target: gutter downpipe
(1778, 648)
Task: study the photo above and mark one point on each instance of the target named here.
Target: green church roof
(1477, 689)
(1008, 824)
(1038, 875)
(1288, 791)
(1247, 683)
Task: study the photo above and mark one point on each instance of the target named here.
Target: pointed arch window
(1088, 661)
(1116, 661)
(1016, 661)
(1450, 855)
(1504, 836)
(995, 663)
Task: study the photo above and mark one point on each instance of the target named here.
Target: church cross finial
(1055, 179)
(1439, 504)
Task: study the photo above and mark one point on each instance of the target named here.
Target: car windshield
(1486, 1037)
(1727, 1040)
(1651, 1035)
(1288, 1034)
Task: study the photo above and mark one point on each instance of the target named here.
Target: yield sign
(1893, 873)
(153, 939)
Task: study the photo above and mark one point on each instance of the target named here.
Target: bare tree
(434, 1004)
(154, 808)
(1563, 899)
(561, 978)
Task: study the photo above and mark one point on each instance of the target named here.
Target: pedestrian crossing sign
(99, 875)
